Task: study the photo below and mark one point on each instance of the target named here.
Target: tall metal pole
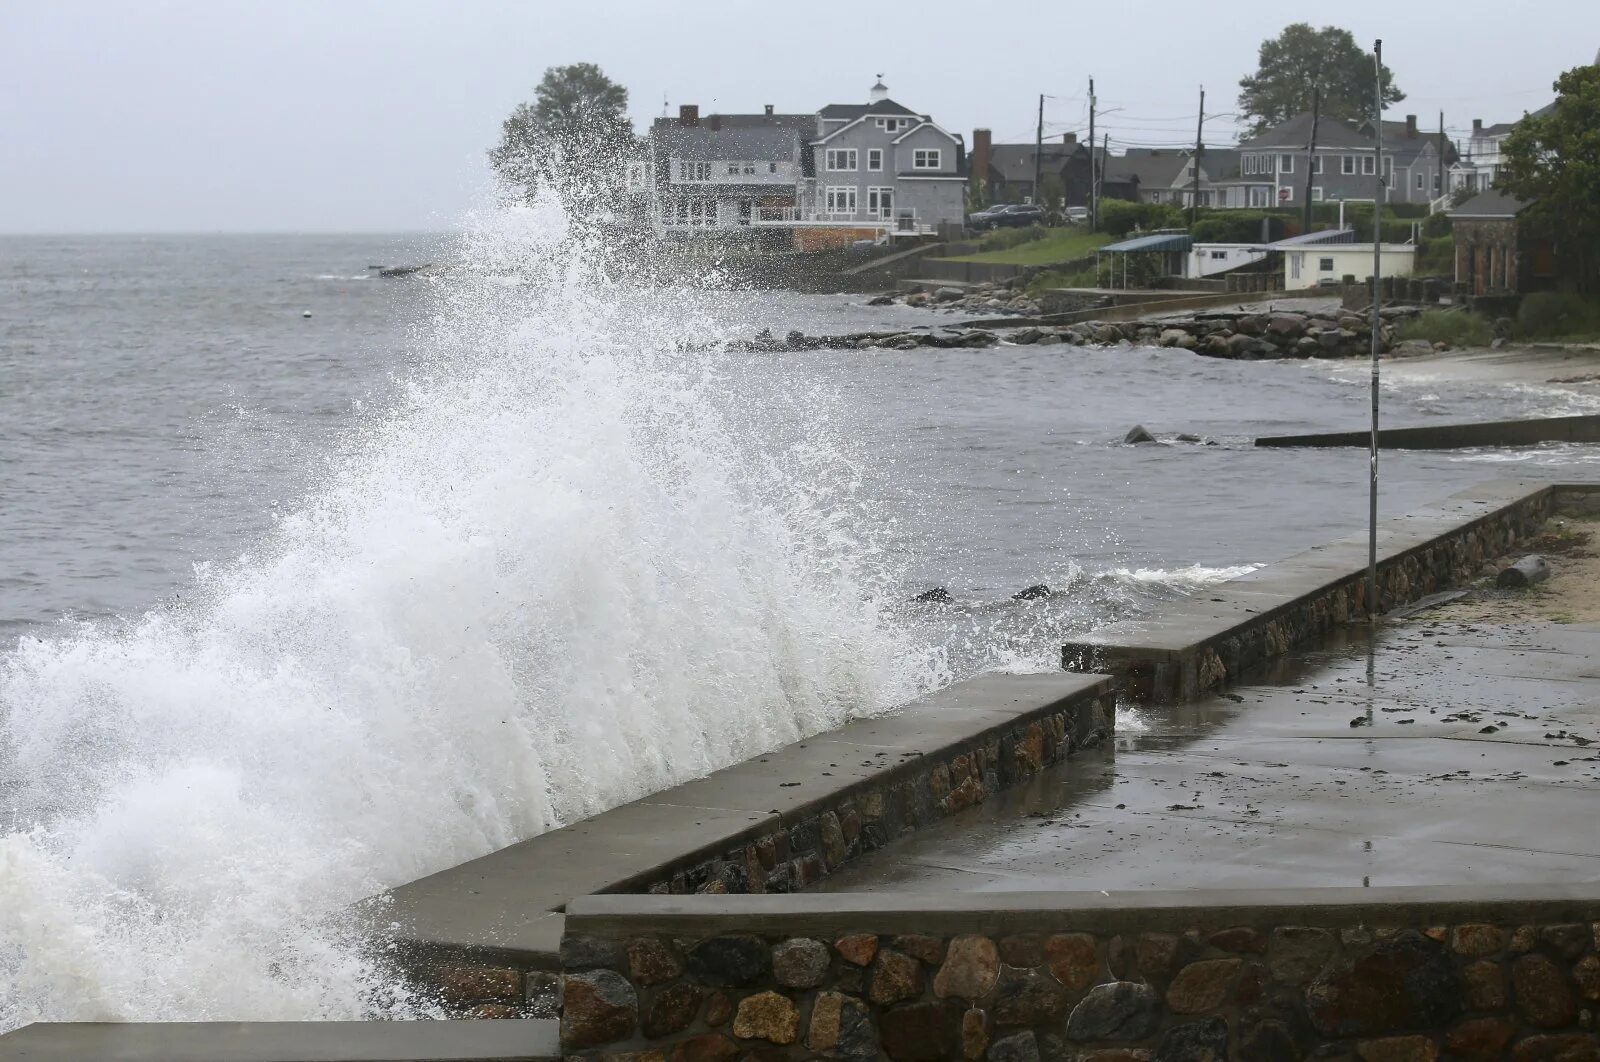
(1311, 153)
(1094, 179)
(1038, 149)
(1199, 149)
(1377, 334)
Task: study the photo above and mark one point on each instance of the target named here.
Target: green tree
(1294, 62)
(575, 132)
(1553, 159)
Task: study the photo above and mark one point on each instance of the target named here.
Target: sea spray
(558, 572)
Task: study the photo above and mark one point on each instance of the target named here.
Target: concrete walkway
(1440, 753)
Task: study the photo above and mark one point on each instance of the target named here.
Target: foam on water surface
(549, 580)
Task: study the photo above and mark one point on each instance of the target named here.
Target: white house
(1325, 265)
(875, 170)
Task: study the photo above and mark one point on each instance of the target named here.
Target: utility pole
(1311, 152)
(1038, 149)
(1441, 189)
(1094, 169)
(1199, 149)
(1105, 160)
(1377, 335)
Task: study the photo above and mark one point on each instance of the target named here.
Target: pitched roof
(851, 111)
(735, 136)
(1491, 204)
(1014, 162)
(1296, 133)
(1151, 167)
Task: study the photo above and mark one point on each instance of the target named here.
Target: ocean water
(296, 607)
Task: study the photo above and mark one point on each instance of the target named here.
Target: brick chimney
(769, 110)
(980, 158)
(689, 114)
(1411, 127)
(1477, 127)
(1069, 139)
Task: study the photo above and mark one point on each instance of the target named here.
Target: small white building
(1207, 259)
(1322, 266)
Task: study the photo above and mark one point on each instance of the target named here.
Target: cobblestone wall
(1378, 993)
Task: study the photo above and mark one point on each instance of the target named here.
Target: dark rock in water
(881, 300)
(937, 596)
(1032, 593)
(1138, 434)
(1186, 437)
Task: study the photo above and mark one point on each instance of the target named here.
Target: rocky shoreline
(1239, 334)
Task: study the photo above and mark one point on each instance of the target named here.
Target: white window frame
(1369, 165)
(874, 160)
(1420, 185)
(693, 171)
(836, 156)
(733, 169)
(1316, 193)
(1348, 166)
(875, 192)
(1249, 164)
(841, 199)
(1285, 193)
(1260, 196)
(1285, 163)
(1388, 165)
(1316, 164)
(927, 158)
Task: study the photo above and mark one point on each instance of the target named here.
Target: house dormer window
(926, 158)
(891, 125)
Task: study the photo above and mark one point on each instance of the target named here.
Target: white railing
(893, 220)
(1442, 203)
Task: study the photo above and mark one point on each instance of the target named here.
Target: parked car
(1078, 215)
(1005, 216)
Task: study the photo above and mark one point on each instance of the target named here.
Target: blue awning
(1175, 241)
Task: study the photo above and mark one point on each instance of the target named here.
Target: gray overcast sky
(373, 115)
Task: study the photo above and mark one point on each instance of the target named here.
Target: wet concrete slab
(284, 1041)
(1430, 753)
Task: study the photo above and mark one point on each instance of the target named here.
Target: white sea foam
(551, 579)
(1189, 577)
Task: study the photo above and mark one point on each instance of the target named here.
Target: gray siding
(933, 201)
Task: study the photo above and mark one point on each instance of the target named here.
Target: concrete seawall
(1529, 432)
(1215, 636)
(485, 934)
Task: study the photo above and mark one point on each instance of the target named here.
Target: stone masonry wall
(1446, 562)
(1259, 992)
(806, 848)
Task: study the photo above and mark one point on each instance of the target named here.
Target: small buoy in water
(305, 313)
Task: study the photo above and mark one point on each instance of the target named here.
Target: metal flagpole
(1377, 336)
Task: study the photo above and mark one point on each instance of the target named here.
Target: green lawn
(1060, 245)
